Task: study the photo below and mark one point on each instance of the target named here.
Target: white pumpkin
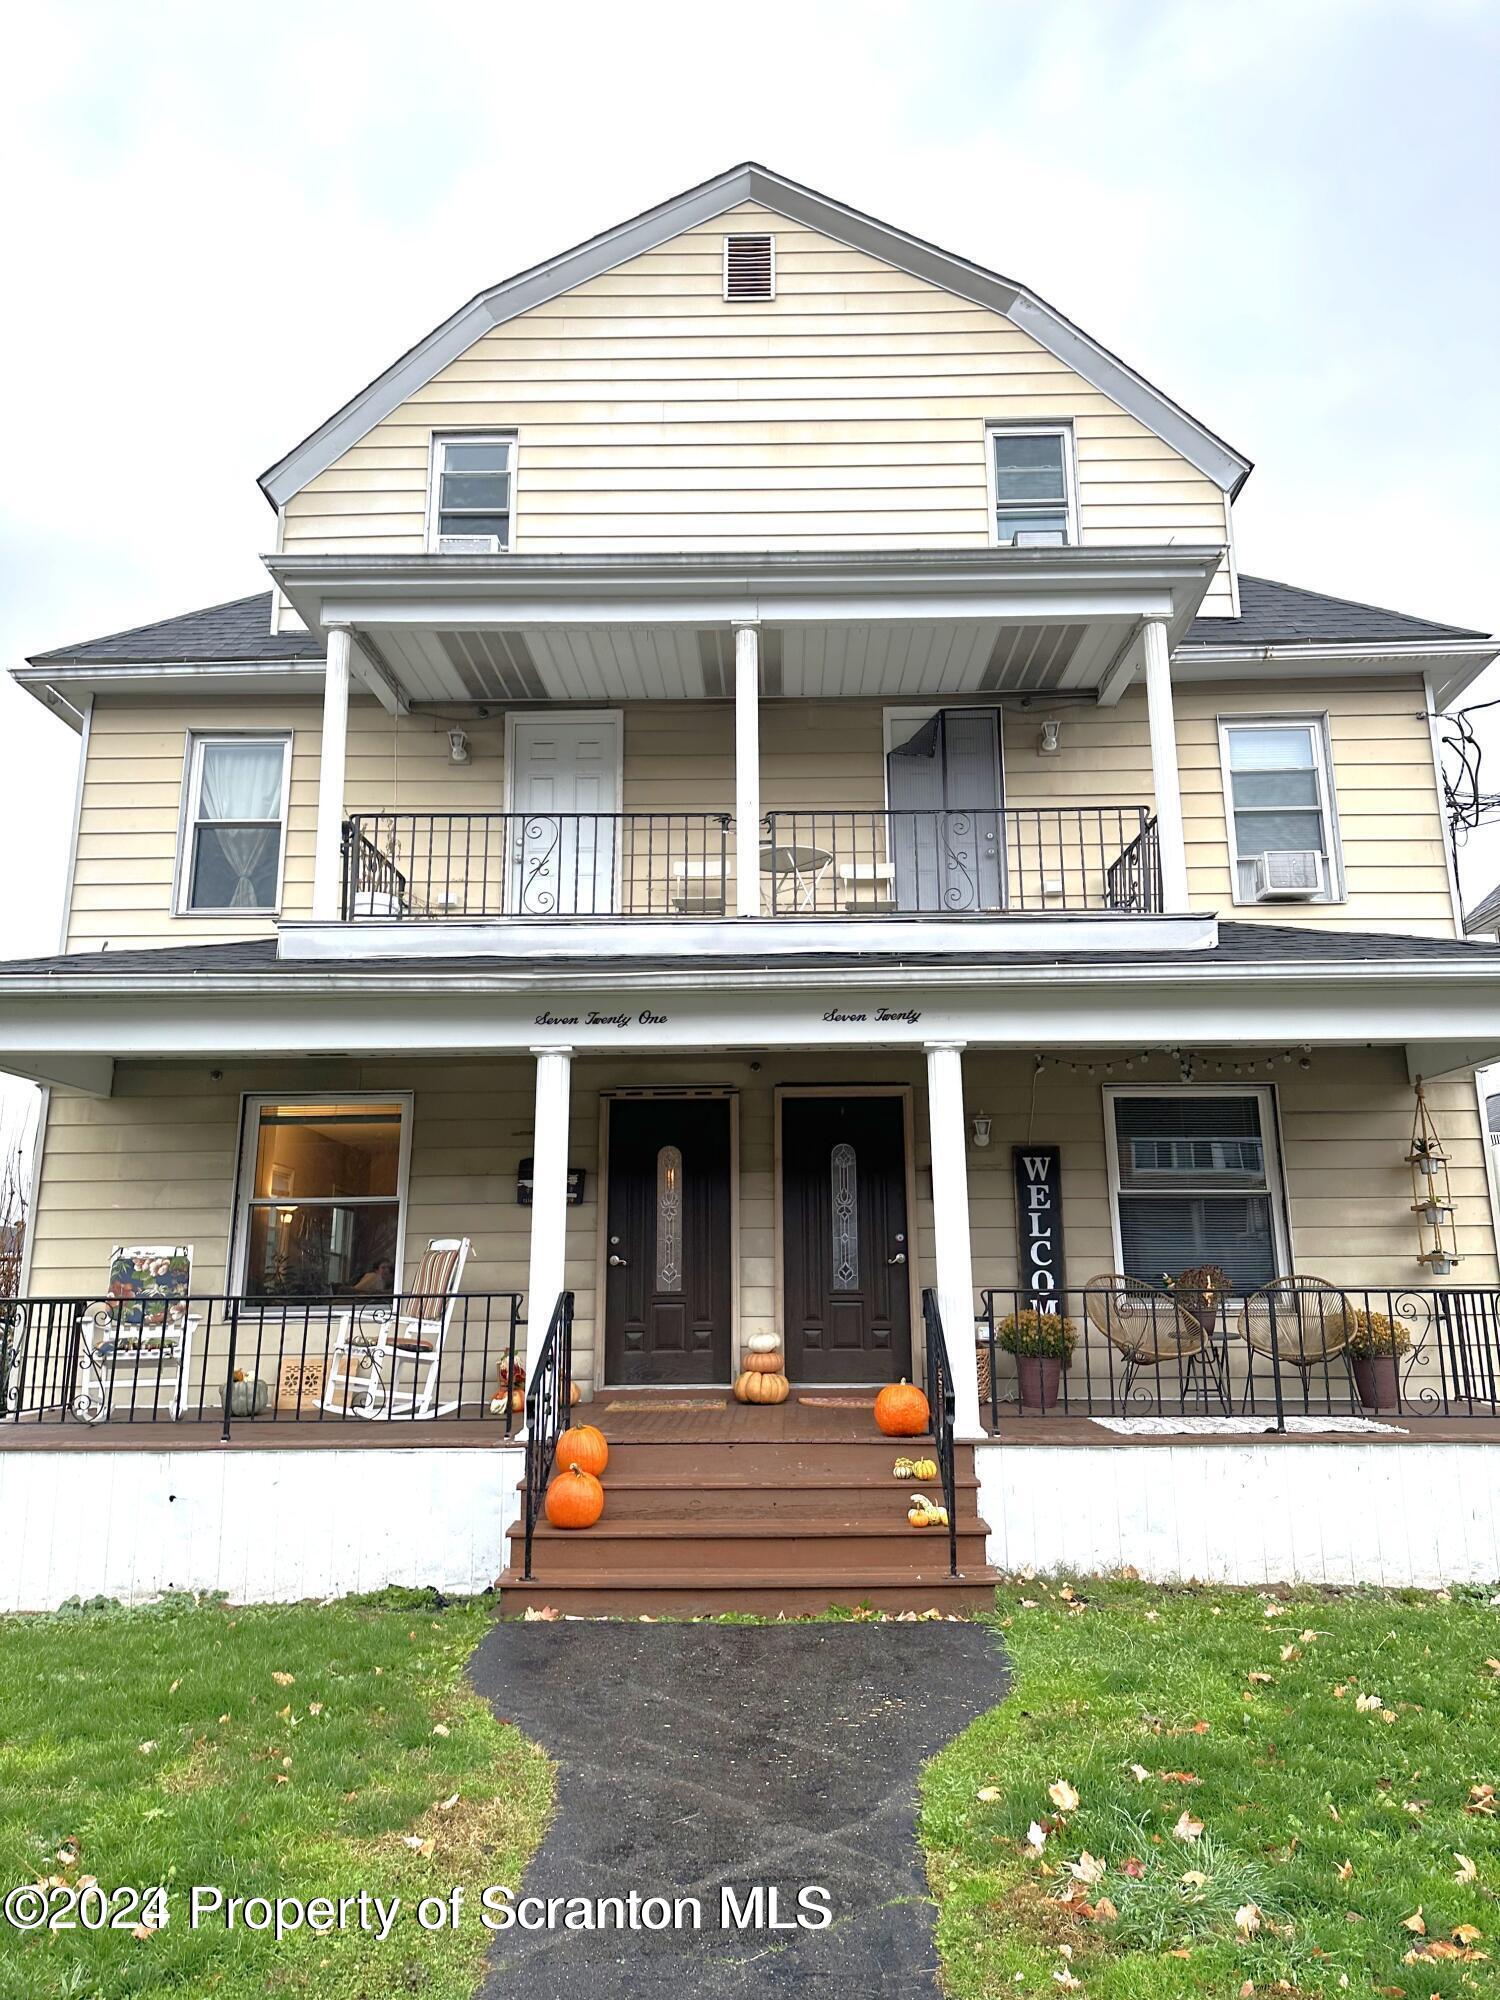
(763, 1343)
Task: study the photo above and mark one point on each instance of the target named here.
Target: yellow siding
(157, 1161)
(679, 756)
(848, 412)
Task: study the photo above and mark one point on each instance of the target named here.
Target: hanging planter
(1432, 1197)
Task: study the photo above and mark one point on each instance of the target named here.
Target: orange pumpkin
(901, 1410)
(518, 1400)
(575, 1395)
(770, 1363)
(575, 1499)
(756, 1386)
(583, 1445)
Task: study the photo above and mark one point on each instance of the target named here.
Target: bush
(1047, 1335)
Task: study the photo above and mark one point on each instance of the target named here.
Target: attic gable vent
(749, 267)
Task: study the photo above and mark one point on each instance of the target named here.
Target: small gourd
(925, 1513)
(759, 1385)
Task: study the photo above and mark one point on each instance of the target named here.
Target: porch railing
(810, 861)
(1298, 1352)
(417, 866)
(243, 1364)
(940, 1399)
(548, 1395)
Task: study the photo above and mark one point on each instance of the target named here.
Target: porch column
(549, 1196)
(1164, 779)
(950, 1216)
(747, 769)
(328, 838)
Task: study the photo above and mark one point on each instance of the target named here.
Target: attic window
(749, 267)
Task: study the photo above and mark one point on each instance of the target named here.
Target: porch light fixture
(458, 746)
(1048, 742)
(1432, 1196)
(981, 1127)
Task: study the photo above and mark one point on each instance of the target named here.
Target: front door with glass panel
(564, 799)
(845, 1247)
(947, 823)
(667, 1293)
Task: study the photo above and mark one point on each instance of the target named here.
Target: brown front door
(667, 1299)
(845, 1245)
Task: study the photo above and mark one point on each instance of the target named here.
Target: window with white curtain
(234, 823)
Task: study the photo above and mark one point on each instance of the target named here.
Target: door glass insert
(845, 1218)
(669, 1219)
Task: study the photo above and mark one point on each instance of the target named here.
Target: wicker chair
(1148, 1328)
(1302, 1321)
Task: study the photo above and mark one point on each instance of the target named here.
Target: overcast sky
(222, 221)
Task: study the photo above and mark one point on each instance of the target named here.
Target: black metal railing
(940, 1400)
(414, 866)
(824, 861)
(1301, 1349)
(243, 1363)
(548, 1395)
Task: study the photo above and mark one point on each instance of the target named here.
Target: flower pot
(1375, 1379)
(1038, 1377)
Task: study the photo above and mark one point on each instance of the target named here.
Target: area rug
(1241, 1426)
(654, 1405)
(838, 1402)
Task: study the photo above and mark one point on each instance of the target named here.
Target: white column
(950, 1218)
(549, 1196)
(327, 861)
(1165, 781)
(747, 769)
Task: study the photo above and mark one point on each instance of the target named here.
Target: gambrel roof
(1112, 377)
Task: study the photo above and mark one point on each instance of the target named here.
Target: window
(1031, 478)
(1279, 797)
(1194, 1181)
(321, 1190)
(669, 1219)
(234, 823)
(471, 494)
(844, 1170)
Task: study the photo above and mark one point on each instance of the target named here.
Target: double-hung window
(234, 823)
(472, 482)
(1195, 1183)
(320, 1195)
(1279, 795)
(1031, 482)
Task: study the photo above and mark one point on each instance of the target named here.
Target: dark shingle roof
(240, 630)
(1486, 915)
(1239, 944)
(1279, 614)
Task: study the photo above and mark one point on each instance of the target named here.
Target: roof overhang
(67, 690)
(1211, 456)
(653, 627)
(1450, 664)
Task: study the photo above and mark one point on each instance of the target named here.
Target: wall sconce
(1049, 742)
(458, 747)
(980, 1123)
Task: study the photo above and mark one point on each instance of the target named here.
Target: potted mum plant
(1376, 1344)
(1042, 1344)
(1200, 1291)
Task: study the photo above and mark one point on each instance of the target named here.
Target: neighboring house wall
(680, 756)
(157, 1161)
(849, 412)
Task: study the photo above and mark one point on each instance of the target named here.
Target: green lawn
(1338, 1754)
(303, 1750)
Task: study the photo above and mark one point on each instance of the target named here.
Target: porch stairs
(704, 1526)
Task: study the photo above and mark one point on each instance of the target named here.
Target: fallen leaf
(1388, 1715)
(1368, 1703)
(1289, 1653)
(416, 1843)
(1135, 1868)
(1180, 1778)
(1481, 1801)
(1139, 1773)
(1105, 1911)
(1465, 1872)
(147, 1747)
(1087, 1868)
(1466, 1934)
(1247, 1990)
(986, 1795)
(447, 1805)
(1201, 1728)
(438, 1729)
(1036, 1837)
(283, 1680)
(1415, 1922)
(540, 1614)
(142, 1932)
(1247, 1919)
(1188, 1828)
(1194, 1879)
(1345, 1871)
(1063, 1796)
(1260, 1679)
(1066, 1980)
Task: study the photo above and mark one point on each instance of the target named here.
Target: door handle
(617, 1260)
(899, 1258)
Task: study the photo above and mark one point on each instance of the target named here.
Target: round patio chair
(1302, 1321)
(1149, 1329)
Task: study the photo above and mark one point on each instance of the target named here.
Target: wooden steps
(758, 1528)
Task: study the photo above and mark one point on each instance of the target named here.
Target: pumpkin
(518, 1400)
(763, 1343)
(757, 1386)
(575, 1395)
(901, 1410)
(766, 1363)
(925, 1513)
(583, 1445)
(575, 1499)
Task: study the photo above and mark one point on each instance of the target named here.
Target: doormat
(652, 1406)
(838, 1402)
(1243, 1426)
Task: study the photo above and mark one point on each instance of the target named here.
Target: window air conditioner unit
(1039, 538)
(1293, 875)
(469, 545)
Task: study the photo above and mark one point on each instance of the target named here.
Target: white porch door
(564, 804)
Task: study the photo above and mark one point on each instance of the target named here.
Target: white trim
(1316, 722)
(760, 298)
(73, 831)
(996, 427)
(437, 445)
(251, 1104)
(1450, 860)
(187, 821)
(28, 1241)
(1266, 1097)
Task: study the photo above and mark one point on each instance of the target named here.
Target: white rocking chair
(386, 1358)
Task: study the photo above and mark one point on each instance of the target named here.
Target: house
(1483, 921)
(759, 806)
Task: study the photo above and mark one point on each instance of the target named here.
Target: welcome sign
(1038, 1171)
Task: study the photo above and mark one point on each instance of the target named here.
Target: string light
(1189, 1063)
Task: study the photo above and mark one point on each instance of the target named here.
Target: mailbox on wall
(523, 1184)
